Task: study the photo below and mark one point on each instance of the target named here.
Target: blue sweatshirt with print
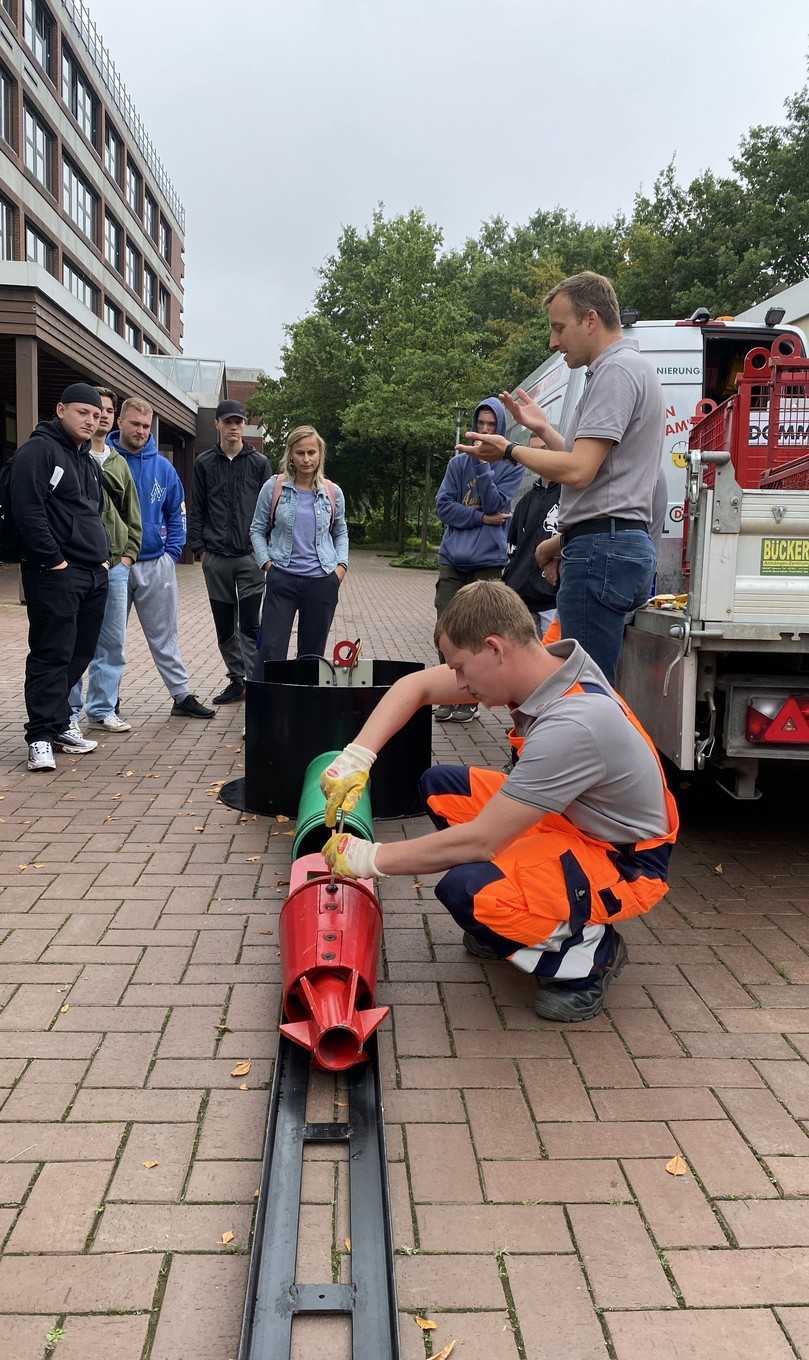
(161, 496)
(470, 490)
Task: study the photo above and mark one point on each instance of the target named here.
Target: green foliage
(402, 333)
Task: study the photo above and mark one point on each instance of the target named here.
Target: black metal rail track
(273, 1297)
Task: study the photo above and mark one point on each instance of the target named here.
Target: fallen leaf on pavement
(347, 1243)
(253, 859)
(719, 868)
(243, 1086)
(426, 1324)
(281, 818)
(227, 1237)
(446, 1352)
(63, 1010)
(149, 1165)
(241, 1069)
(677, 1167)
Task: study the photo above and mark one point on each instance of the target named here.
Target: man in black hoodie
(56, 500)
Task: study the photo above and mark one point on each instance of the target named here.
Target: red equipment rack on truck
(726, 677)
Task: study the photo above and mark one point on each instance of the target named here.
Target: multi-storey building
(91, 227)
(84, 193)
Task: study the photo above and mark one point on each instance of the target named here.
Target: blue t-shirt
(304, 560)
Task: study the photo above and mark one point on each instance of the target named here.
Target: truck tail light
(773, 722)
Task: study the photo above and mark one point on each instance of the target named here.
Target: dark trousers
(451, 580)
(65, 613)
(235, 586)
(312, 598)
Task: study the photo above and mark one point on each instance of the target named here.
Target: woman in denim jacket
(300, 541)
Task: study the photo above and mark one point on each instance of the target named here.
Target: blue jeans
(603, 578)
(105, 669)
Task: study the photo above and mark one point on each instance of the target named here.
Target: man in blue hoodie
(474, 505)
(153, 578)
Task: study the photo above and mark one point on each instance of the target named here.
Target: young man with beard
(153, 578)
(540, 865)
(56, 503)
(226, 483)
(122, 520)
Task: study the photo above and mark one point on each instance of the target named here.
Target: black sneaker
(480, 951)
(463, 713)
(443, 713)
(190, 707)
(567, 1005)
(231, 694)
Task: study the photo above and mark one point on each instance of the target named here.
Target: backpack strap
(278, 488)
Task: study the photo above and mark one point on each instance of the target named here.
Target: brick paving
(534, 1216)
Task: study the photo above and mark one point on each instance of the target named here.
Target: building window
(150, 215)
(150, 288)
(79, 285)
(113, 242)
(38, 150)
(113, 153)
(164, 311)
(149, 346)
(112, 315)
(79, 97)
(6, 230)
(132, 334)
(6, 105)
(134, 188)
(38, 249)
(165, 240)
(132, 268)
(78, 200)
(38, 32)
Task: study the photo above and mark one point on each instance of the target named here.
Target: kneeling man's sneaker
(477, 948)
(40, 756)
(73, 742)
(111, 723)
(190, 707)
(443, 713)
(567, 1005)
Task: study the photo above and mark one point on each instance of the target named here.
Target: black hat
(81, 392)
(230, 408)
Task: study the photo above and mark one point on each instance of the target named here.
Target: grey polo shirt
(622, 401)
(584, 758)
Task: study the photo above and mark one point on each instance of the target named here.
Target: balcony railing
(104, 64)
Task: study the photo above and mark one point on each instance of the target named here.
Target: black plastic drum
(291, 718)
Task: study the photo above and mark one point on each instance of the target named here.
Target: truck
(718, 673)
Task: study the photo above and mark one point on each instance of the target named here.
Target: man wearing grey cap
(225, 487)
(56, 503)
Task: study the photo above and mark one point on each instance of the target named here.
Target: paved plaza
(534, 1213)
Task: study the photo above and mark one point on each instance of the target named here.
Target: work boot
(568, 1004)
(190, 707)
(231, 694)
(480, 950)
(464, 713)
(443, 713)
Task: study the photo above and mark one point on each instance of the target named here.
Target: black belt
(608, 524)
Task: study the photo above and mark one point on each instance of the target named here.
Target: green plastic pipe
(312, 833)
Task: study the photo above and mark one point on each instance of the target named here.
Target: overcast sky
(281, 120)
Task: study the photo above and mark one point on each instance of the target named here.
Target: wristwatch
(509, 455)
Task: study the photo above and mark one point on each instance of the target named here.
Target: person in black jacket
(225, 487)
(533, 520)
(56, 502)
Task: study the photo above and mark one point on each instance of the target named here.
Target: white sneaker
(74, 742)
(74, 725)
(40, 756)
(111, 723)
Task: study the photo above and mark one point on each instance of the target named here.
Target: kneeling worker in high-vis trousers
(544, 862)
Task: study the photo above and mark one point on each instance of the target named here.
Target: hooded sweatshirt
(56, 500)
(470, 490)
(161, 496)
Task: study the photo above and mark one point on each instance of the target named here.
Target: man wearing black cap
(56, 502)
(225, 487)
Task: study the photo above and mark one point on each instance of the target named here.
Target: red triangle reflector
(789, 726)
